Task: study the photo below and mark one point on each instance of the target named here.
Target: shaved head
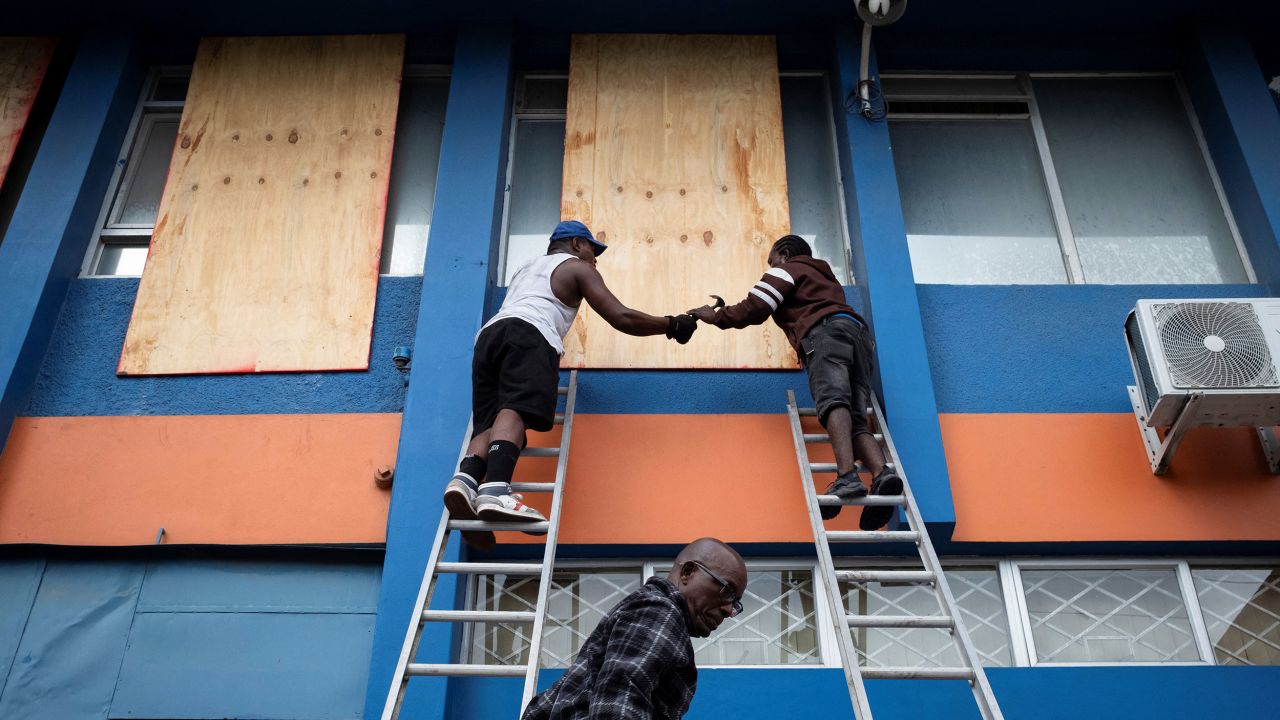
(712, 577)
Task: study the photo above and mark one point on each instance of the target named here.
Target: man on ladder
(515, 368)
(804, 298)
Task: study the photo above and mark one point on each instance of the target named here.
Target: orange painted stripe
(216, 479)
(1085, 477)
(672, 478)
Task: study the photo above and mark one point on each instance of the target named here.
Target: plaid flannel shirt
(636, 665)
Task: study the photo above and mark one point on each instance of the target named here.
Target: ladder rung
(532, 487)
(898, 500)
(898, 621)
(823, 437)
(908, 673)
(483, 568)
(918, 577)
(561, 390)
(872, 536)
(499, 526)
(540, 452)
(460, 670)
(502, 616)
(813, 412)
(831, 468)
(558, 419)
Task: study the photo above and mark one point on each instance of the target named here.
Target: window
(1107, 615)
(1032, 179)
(1241, 608)
(536, 167)
(129, 213)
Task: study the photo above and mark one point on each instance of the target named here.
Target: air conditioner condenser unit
(1204, 363)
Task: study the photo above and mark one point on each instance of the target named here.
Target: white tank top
(530, 298)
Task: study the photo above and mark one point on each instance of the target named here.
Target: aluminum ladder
(931, 574)
(422, 614)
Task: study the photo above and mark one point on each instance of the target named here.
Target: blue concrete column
(59, 204)
(464, 231)
(882, 268)
(1242, 129)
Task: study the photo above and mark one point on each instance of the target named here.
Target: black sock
(502, 463)
(473, 467)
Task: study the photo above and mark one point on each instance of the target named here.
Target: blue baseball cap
(574, 229)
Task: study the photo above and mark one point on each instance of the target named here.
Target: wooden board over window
(23, 63)
(673, 156)
(266, 244)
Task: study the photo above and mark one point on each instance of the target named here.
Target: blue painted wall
(107, 636)
(1098, 693)
(51, 226)
(78, 375)
(1038, 348)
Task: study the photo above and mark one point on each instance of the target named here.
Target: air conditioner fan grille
(1214, 345)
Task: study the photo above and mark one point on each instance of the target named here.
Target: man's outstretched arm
(762, 300)
(622, 318)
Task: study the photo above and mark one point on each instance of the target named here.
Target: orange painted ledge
(1085, 477)
(205, 479)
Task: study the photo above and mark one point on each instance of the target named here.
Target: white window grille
(1059, 178)
(1241, 608)
(778, 624)
(128, 215)
(1108, 614)
(536, 164)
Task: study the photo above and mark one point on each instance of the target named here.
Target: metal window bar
(405, 667)
(972, 670)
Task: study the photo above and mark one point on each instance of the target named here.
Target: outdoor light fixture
(874, 13)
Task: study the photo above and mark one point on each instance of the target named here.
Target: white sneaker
(460, 499)
(506, 508)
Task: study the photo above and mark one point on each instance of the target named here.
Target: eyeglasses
(726, 590)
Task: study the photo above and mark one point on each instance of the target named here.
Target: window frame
(145, 114)
(518, 115)
(1066, 238)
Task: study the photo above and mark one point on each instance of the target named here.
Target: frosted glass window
(1084, 616)
(974, 203)
(536, 177)
(145, 175)
(1138, 193)
(414, 163)
(121, 259)
(813, 182)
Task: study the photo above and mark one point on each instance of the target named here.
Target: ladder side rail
(981, 687)
(848, 656)
(549, 553)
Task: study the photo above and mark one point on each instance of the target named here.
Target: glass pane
(813, 189)
(974, 203)
(536, 177)
(932, 87)
(414, 163)
(170, 89)
(777, 625)
(127, 260)
(1241, 610)
(982, 610)
(544, 94)
(576, 604)
(1084, 616)
(898, 647)
(146, 172)
(1139, 196)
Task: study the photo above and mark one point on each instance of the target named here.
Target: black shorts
(514, 368)
(838, 354)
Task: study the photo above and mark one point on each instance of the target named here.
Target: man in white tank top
(516, 368)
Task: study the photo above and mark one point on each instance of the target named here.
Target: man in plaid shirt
(638, 662)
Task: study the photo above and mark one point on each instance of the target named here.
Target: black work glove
(680, 328)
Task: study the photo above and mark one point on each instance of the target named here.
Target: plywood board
(674, 157)
(266, 246)
(23, 63)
